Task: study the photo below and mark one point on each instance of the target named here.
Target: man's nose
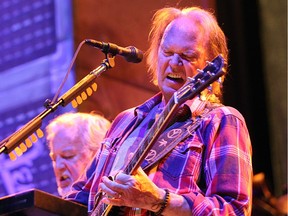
(176, 60)
(59, 163)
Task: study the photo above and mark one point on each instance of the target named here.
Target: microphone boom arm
(11, 142)
(86, 81)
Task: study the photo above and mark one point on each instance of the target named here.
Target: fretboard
(151, 137)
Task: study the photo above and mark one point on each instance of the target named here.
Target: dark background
(245, 88)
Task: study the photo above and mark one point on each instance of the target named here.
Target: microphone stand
(14, 140)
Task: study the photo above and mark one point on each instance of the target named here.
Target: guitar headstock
(201, 80)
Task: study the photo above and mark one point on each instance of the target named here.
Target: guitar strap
(171, 138)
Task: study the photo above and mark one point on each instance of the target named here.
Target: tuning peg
(209, 63)
(200, 71)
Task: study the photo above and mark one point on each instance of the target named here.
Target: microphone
(130, 53)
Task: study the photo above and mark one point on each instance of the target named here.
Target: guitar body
(105, 210)
(102, 209)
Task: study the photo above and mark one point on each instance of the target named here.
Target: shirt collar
(142, 110)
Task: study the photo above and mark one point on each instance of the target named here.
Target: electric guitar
(189, 90)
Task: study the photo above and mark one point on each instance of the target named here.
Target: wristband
(164, 203)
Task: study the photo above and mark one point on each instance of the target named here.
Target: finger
(109, 187)
(122, 178)
(113, 201)
(106, 191)
(116, 176)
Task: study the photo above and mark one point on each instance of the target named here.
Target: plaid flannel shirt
(211, 169)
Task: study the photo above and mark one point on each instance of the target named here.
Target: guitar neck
(151, 137)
